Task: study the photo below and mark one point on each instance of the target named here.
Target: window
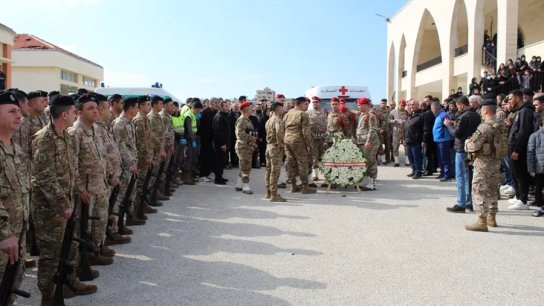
(89, 82)
(68, 76)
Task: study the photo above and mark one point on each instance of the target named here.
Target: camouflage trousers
(317, 152)
(296, 161)
(99, 210)
(142, 173)
(385, 141)
(49, 234)
(20, 273)
(124, 180)
(486, 187)
(245, 156)
(398, 138)
(274, 156)
(372, 162)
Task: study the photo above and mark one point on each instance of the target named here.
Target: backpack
(500, 141)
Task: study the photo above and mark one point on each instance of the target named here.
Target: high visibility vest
(190, 114)
(177, 122)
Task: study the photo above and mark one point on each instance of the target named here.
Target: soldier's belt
(320, 135)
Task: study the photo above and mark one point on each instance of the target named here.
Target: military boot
(268, 194)
(491, 222)
(188, 179)
(107, 251)
(161, 196)
(307, 190)
(177, 181)
(479, 226)
(47, 298)
(149, 210)
(100, 260)
(277, 198)
(115, 238)
(78, 288)
(133, 220)
(294, 186)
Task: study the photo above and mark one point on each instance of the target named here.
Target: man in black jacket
(263, 117)
(465, 125)
(206, 134)
(521, 129)
(221, 141)
(413, 136)
(428, 142)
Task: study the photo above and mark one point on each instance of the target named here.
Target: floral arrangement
(343, 163)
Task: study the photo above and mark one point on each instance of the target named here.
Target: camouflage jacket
(143, 138)
(125, 137)
(383, 115)
(297, 128)
(158, 137)
(368, 129)
(14, 191)
(479, 146)
(91, 163)
(168, 129)
(112, 151)
(318, 123)
(22, 136)
(399, 117)
(243, 130)
(336, 122)
(53, 170)
(275, 132)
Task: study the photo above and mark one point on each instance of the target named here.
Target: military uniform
(318, 126)
(383, 116)
(397, 118)
(22, 137)
(487, 176)
(298, 146)
(367, 131)
(14, 201)
(125, 137)
(144, 151)
(245, 145)
(168, 130)
(275, 132)
(335, 123)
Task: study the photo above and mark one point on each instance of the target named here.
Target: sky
(215, 48)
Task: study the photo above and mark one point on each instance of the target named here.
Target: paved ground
(396, 246)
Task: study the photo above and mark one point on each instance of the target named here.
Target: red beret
(316, 98)
(335, 99)
(402, 102)
(343, 108)
(342, 100)
(363, 101)
(278, 96)
(244, 105)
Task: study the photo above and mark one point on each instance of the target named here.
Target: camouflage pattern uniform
(298, 145)
(383, 115)
(244, 146)
(112, 151)
(145, 151)
(92, 167)
(125, 137)
(487, 175)
(168, 130)
(367, 131)
(275, 132)
(157, 138)
(53, 182)
(335, 123)
(14, 206)
(22, 137)
(318, 126)
(400, 118)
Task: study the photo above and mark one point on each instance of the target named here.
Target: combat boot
(479, 226)
(294, 187)
(161, 196)
(491, 222)
(177, 181)
(239, 184)
(188, 179)
(47, 298)
(107, 251)
(115, 238)
(95, 273)
(133, 220)
(277, 198)
(308, 190)
(78, 288)
(127, 231)
(268, 194)
(100, 260)
(149, 210)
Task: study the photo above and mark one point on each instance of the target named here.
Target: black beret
(98, 96)
(156, 98)
(53, 93)
(82, 91)
(34, 95)
(43, 94)
(7, 97)
(19, 94)
(61, 100)
(489, 102)
(115, 97)
(143, 99)
(131, 101)
(73, 96)
(274, 105)
(86, 98)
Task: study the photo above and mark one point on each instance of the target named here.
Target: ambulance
(349, 93)
(128, 92)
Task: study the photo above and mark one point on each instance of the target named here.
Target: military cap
(280, 96)
(82, 91)
(19, 94)
(167, 99)
(316, 98)
(98, 96)
(43, 94)
(131, 101)
(245, 104)
(143, 99)
(275, 105)
(489, 102)
(363, 101)
(115, 97)
(156, 98)
(53, 93)
(335, 99)
(34, 95)
(7, 97)
(61, 100)
(85, 99)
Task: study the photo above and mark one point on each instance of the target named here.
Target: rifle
(145, 192)
(170, 171)
(8, 281)
(85, 273)
(156, 184)
(64, 268)
(125, 206)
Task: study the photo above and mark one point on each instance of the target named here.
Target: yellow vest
(177, 122)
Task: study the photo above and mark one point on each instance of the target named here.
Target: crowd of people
(119, 157)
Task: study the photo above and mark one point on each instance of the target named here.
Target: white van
(127, 92)
(349, 93)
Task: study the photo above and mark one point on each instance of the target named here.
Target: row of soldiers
(58, 150)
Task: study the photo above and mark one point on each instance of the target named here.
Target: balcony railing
(429, 64)
(461, 50)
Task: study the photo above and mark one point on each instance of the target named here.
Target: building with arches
(435, 46)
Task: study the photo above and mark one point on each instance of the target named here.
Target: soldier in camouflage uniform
(36, 108)
(487, 175)
(397, 118)
(275, 132)
(158, 137)
(14, 188)
(336, 120)
(246, 143)
(22, 135)
(91, 169)
(298, 145)
(165, 113)
(318, 125)
(368, 139)
(125, 137)
(145, 152)
(385, 132)
(53, 183)
(116, 108)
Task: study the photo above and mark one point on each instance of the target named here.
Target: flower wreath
(343, 163)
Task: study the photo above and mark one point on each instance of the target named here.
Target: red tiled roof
(31, 42)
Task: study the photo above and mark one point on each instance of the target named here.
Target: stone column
(507, 30)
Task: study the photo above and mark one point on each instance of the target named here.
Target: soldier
(22, 135)
(318, 125)
(158, 138)
(145, 152)
(350, 125)
(91, 168)
(125, 137)
(116, 108)
(383, 114)
(487, 175)
(368, 139)
(336, 120)
(246, 143)
(298, 145)
(165, 113)
(53, 183)
(14, 194)
(275, 132)
(397, 118)
(36, 108)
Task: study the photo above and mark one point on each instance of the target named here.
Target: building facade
(435, 46)
(38, 64)
(6, 43)
(265, 93)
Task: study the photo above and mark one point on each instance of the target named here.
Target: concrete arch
(459, 29)
(402, 70)
(391, 71)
